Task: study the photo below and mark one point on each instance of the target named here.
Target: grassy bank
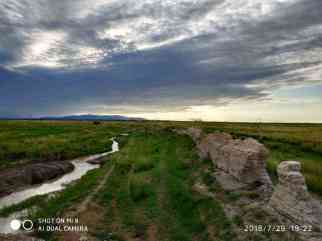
(25, 141)
(150, 193)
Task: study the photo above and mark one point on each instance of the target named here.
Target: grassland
(150, 189)
(149, 192)
(24, 141)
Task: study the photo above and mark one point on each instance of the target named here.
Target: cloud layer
(66, 56)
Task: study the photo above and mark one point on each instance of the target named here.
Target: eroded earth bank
(286, 210)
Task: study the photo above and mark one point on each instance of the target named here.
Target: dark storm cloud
(75, 56)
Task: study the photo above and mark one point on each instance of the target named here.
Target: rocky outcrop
(194, 133)
(244, 160)
(241, 169)
(291, 198)
(17, 178)
(210, 145)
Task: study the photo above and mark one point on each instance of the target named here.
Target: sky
(211, 60)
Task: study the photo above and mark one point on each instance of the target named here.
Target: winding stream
(81, 168)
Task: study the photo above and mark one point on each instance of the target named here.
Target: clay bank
(240, 167)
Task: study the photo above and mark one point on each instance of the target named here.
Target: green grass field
(149, 194)
(25, 141)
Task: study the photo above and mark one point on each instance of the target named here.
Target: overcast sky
(223, 60)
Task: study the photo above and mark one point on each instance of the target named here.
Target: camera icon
(27, 225)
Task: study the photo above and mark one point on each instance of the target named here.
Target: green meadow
(149, 192)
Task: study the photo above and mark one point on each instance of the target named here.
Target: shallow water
(81, 168)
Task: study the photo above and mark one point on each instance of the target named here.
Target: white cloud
(43, 49)
(136, 25)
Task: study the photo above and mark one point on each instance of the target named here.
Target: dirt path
(84, 204)
(88, 212)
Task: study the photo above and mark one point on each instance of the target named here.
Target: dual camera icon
(26, 225)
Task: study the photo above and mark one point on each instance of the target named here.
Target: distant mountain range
(82, 117)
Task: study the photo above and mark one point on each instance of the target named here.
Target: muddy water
(81, 168)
